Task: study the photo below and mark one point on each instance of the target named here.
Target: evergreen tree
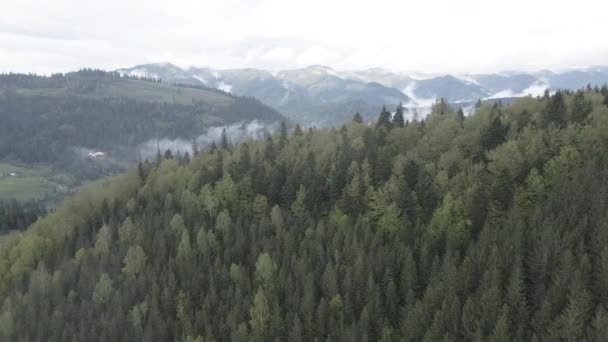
(283, 135)
(384, 120)
(460, 115)
(581, 107)
(355, 234)
(555, 110)
(297, 132)
(224, 143)
(398, 120)
(357, 118)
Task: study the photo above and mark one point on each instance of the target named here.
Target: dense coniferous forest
(15, 215)
(491, 227)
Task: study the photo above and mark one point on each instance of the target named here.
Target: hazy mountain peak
(321, 90)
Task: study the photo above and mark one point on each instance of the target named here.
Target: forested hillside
(491, 227)
(56, 121)
(43, 118)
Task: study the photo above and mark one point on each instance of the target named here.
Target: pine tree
(555, 110)
(384, 119)
(195, 147)
(398, 120)
(501, 330)
(224, 143)
(269, 152)
(357, 118)
(283, 135)
(580, 107)
(493, 135)
(460, 116)
(297, 132)
(260, 316)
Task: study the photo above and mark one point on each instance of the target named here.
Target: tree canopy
(486, 227)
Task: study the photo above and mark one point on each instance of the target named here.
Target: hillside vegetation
(491, 227)
(54, 121)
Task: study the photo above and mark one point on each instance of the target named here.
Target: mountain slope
(313, 95)
(317, 94)
(449, 88)
(487, 227)
(58, 120)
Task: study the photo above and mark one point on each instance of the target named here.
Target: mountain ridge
(306, 94)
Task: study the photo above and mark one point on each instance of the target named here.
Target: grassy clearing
(27, 183)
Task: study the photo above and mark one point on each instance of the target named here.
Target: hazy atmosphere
(428, 36)
(303, 171)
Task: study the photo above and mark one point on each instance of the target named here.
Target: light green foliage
(103, 241)
(390, 220)
(338, 218)
(563, 164)
(226, 191)
(184, 249)
(177, 224)
(30, 182)
(532, 192)
(138, 314)
(208, 199)
(128, 234)
(336, 307)
(260, 316)
(298, 208)
(223, 223)
(260, 206)
(134, 261)
(276, 217)
(449, 224)
(265, 270)
(103, 290)
(235, 274)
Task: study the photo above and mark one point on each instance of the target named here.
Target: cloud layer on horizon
(430, 36)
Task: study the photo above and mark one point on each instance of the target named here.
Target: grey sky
(425, 35)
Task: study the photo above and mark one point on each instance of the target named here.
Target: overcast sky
(45, 36)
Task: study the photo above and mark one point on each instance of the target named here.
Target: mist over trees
(44, 119)
(490, 227)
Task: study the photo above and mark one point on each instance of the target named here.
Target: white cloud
(430, 35)
(225, 87)
(536, 89)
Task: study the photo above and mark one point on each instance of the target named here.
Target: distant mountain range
(320, 95)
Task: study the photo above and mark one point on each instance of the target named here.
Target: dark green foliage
(581, 107)
(384, 119)
(297, 131)
(555, 110)
(494, 135)
(460, 115)
(357, 234)
(357, 118)
(398, 120)
(16, 215)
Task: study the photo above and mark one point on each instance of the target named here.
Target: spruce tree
(384, 119)
(357, 118)
(580, 107)
(555, 110)
(460, 115)
(398, 120)
(224, 143)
